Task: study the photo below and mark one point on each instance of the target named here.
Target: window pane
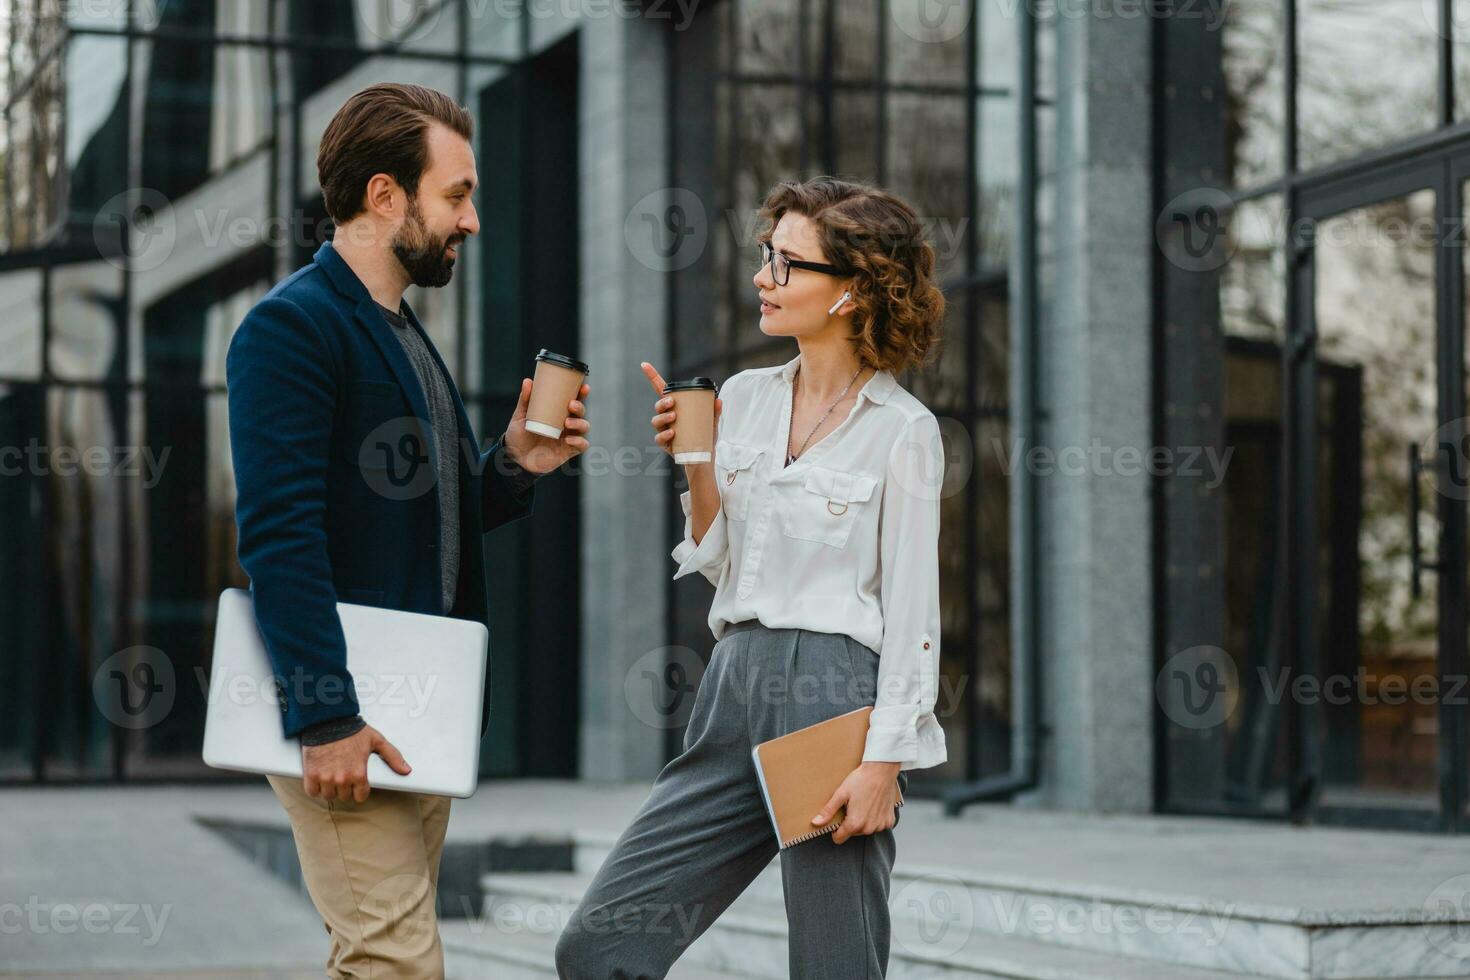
(854, 41)
(34, 158)
(1366, 78)
(96, 139)
(996, 153)
(86, 581)
(767, 42)
(20, 329)
(1254, 73)
(1250, 764)
(86, 321)
(409, 25)
(854, 126)
(21, 544)
(327, 21)
(927, 41)
(996, 41)
(932, 181)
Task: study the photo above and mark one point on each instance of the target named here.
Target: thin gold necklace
(790, 456)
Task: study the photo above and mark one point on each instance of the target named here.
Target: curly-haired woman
(818, 524)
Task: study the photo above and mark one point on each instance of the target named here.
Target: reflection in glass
(1366, 76)
(995, 151)
(1254, 65)
(1253, 763)
(767, 40)
(993, 690)
(82, 466)
(20, 329)
(86, 321)
(22, 645)
(1376, 355)
(933, 181)
(927, 41)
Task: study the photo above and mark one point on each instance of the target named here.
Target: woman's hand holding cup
(665, 415)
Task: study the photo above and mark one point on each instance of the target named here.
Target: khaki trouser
(371, 870)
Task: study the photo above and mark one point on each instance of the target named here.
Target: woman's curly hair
(876, 238)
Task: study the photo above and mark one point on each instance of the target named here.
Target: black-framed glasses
(781, 266)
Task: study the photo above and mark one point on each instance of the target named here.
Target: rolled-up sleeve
(903, 727)
(711, 556)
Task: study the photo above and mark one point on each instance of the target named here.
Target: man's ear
(381, 193)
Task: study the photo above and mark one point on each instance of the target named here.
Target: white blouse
(844, 540)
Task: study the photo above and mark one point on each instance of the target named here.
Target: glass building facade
(1320, 340)
(159, 176)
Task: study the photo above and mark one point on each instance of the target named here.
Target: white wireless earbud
(845, 297)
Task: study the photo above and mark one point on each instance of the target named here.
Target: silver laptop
(420, 681)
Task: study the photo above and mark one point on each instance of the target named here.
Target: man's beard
(421, 253)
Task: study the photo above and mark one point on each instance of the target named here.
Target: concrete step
(750, 940)
(481, 948)
(1116, 920)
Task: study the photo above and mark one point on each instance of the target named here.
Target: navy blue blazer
(315, 377)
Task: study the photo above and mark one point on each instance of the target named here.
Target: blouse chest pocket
(825, 505)
(735, 476)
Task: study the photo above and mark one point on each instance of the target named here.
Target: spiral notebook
(800, 771)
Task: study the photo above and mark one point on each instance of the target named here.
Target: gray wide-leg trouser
(704, 833)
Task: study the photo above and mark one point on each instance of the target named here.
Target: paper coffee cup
(694, 419)
(558, 380)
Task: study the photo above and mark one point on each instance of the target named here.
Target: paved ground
(124, 881)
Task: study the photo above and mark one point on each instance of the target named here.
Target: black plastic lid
(563, 361)
(692, 384)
